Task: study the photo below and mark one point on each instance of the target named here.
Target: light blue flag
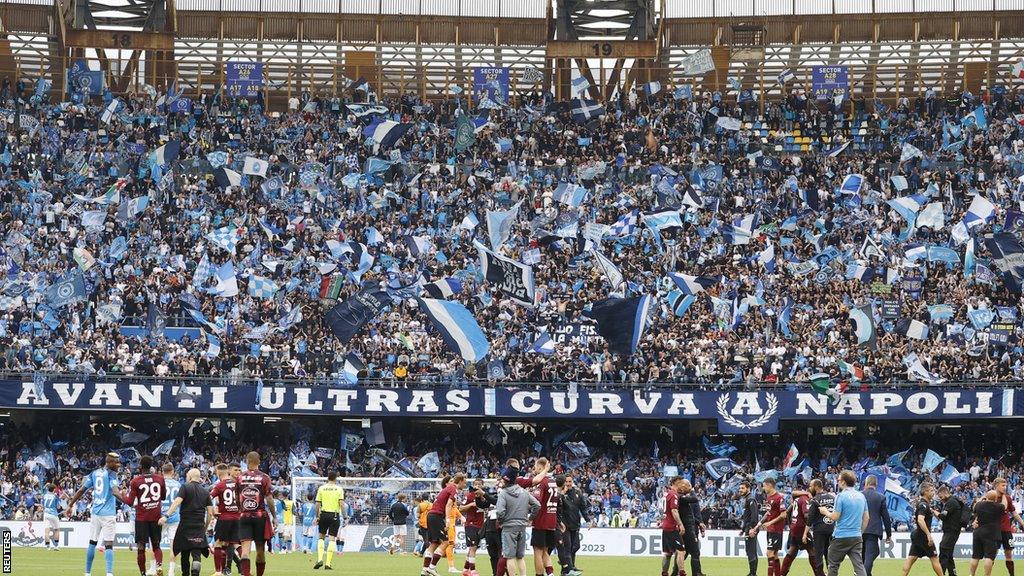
(164, 448)
(852, 184)
(931, 460)
(977, 118)
(458, 328)
(499, 225)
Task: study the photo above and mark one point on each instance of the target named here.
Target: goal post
(365, 523)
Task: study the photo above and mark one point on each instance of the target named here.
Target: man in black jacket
(748, 521)
(951, 517)
(572, 512)
(689, 513)
(485, 502)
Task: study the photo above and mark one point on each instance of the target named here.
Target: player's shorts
(226, 531)
(170, 531)
(671, 541)
(921, 550)
(474, 534)
(400, 530)
(308, 530)
(796, 540)
(983, 548)
(252, 529)
(547, 539)
(51, 522)
(329, 524)
(451, 532)
(1007, 540)
(421, 532)
(146, 531)
(436, 529)
(285, 530)
(102, 528)
(774, 540)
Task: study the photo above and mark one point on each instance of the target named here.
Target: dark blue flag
(348, 317)
(621, 321)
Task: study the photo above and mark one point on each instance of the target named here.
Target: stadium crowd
(622, 476)
(122, 213)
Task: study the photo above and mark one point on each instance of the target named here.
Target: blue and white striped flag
(165, 447)
(786, 76)
(458, 328)
(579, 85)
(571, 194)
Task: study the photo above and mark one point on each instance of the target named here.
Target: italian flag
(856, 373)
(330, 286)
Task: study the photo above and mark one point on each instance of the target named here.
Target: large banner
(593, 542)
(492, 83)
(243, 79)
(828, 82)
(698, 63)
(743, 412)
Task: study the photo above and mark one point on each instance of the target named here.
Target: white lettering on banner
(805, 403)
(880, 403)
(28, 396)
(423, 401)
(458, 400)
(151, 393)
(68, 393)
(218, 398)
(646, 406)
(849, 405)
(984, 400)
(378, 400)
(747, 403)
(188, 402)
(272, 403)
(922, 403)
(519, 399)
(953, 405)
(302, 400)
(605, 403)
(683, 404)
(342, 399)
(105, 395)
(564, 403)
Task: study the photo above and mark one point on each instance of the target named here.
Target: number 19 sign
(827, 82)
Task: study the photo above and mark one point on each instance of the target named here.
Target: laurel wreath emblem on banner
(723, 411)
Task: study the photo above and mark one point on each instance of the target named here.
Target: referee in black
(196, 519)
(748, 520)
(951, 517)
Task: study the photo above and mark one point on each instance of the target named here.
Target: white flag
(256, 167)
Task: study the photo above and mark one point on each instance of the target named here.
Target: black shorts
(1007, 540)
(146, 531)
(547, 539)
(252, 528)
(437, 532)
(329, 524)
(226, 531)
(422, 532)
(474, 535)
(921, 550)
(671, 541)
(774, 540)
(984, 548)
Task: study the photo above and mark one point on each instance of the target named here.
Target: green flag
(821, 382)
(465, 133)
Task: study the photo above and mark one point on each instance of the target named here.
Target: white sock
(170, 571)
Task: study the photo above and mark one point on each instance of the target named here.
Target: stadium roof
(538, 8)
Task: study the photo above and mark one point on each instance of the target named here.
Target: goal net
(366, 526)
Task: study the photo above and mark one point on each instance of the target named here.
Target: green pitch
(69, 562)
